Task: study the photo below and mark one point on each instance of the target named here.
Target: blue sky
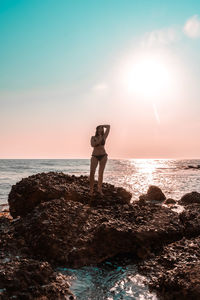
(54, 52)
(56, 42)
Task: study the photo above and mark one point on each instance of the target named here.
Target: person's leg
(102, 165)
(93, 166)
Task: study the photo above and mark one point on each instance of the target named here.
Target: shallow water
(110, 281)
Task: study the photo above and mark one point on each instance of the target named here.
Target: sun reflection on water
(146, 173)
(146, 168)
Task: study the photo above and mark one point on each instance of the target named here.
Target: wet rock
(169, 201)
(154, 193)
(189, 198)
(43, 187)
(174, 272)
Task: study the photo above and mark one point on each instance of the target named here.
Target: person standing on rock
(99, 155)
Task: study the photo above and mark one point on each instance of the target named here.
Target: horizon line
(88, 158)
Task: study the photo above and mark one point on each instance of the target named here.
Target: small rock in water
(189, 198)
(154, 193)
(170, 201)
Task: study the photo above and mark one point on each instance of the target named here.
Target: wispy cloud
(161, 37)
(192, 27)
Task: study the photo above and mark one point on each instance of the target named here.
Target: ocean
(111, 281)
(174, 177)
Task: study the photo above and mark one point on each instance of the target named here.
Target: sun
(148, 76)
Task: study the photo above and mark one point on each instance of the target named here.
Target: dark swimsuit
(99, 157)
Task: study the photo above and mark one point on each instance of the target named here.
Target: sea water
(174, 177)
(111, 281)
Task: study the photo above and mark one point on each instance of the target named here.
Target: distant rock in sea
(193, 167)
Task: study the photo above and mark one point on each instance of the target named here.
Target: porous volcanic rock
(60, 224)
(190, 198)
(190, 218)
(174, 272)
(73, 234)
(22, 277)
(32, 279)
(154, 193)
(33, 190)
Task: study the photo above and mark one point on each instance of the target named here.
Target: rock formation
(67, 226)
(190, 198)
(44, 187)
(22, 276)
(154, 193)
(57, 223)
(174, 272)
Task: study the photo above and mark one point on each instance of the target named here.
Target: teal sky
(52, 53)
(59, 42)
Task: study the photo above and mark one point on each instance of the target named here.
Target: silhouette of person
(99, 155)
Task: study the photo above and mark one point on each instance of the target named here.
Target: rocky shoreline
(53, 222)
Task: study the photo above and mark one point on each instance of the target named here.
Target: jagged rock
(31, 279)
(174, 272)
(43, 187)
(62, 224)
(22, 277)
(75, 229)
(190, 218)
(189, 198)
(73, 234)
(154, 193)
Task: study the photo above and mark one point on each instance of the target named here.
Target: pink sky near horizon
(36, 130)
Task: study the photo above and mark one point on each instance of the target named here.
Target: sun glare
(148, 76)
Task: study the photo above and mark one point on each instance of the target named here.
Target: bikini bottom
(99, 157)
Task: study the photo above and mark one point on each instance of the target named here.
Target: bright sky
(67, 66)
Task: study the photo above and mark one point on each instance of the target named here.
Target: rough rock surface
(73, 234)
(32, 279)
(154, 193)
(190, 218)
(22, 277)
(189, 198)
(43, 187)
(79, 232)
(60, 223)
(174, 272)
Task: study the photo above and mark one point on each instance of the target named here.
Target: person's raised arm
(107, 131)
